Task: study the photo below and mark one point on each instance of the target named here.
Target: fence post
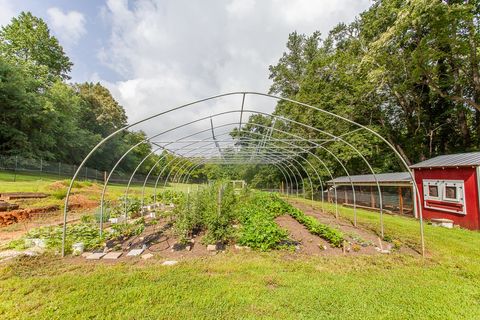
(59, 169)
(41, 165)
(15, 170)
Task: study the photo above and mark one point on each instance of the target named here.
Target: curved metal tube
(243, 94)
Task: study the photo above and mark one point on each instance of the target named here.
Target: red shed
(449, 188)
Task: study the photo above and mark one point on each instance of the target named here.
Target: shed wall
(468, 174)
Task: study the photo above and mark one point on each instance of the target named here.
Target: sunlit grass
(274, 285)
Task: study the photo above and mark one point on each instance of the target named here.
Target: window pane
(433, 191)
(450, 192)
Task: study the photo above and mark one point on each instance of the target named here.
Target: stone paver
(135, 252)
(169, 263)
(113, 255)
(95, 256)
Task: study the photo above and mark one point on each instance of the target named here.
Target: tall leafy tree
(27, 40)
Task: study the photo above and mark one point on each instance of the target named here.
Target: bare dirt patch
(15, 216)
(79, 201)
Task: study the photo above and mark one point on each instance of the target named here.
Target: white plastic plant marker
(113, 255)
(95, 256)
(135, 252)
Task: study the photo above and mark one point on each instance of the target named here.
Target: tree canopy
(408, 70)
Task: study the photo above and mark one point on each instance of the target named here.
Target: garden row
(217, 212)
(247, 219)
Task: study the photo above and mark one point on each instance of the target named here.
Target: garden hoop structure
(289, 152)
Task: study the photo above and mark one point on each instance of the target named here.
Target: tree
(101, 114)
(27, 41)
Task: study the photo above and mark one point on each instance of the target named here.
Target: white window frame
(457, 193)
(426, 190)
(441, 185)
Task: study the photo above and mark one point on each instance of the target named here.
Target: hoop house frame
(290, 156)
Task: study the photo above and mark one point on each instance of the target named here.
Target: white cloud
(172, 52)
(69, 26)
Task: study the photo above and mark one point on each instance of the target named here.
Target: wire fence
(14, 168)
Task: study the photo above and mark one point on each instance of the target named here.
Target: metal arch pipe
(187, 163)
(391, 146)
(158, 178)
(172, 129)
(191, 122)
(275, 158)
(156, 182)
(302, 166)
(193, 167)
(277, 165)
(303, 159)
(314, 155)
(280, 166)
(294, 177)
(336, 158)
(101, 224)
(346, 143)
(288, 174)
(243, 93)
(311, 183)
(164, 168)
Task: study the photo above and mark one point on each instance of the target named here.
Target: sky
(156, 54)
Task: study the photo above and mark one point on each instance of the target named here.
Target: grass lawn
(42, 183)
(251, 285)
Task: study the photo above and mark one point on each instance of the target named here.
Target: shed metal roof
(382, 178)
(451, 160)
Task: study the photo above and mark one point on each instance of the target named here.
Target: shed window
(433, 191)
(445, 195)
(451, 192)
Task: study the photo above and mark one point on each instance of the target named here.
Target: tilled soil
(307, 242)
(353, 234)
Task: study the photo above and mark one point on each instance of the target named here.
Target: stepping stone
(95, 256)
(169, 263)
(86, 254)
(135, 252)
(114, 255)
(212, 247)
(147, 256)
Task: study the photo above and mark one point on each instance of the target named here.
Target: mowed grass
(273, 285)
(43, 183)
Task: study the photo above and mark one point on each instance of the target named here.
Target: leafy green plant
(86, 233)
(171, 196)
(60, 194)
(259, 230)
(330, 234)
(126, 230)
(130, 206)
